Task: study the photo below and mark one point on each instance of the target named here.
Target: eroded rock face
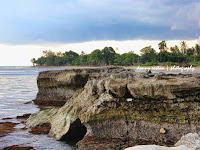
(56, 87)
(120, 105)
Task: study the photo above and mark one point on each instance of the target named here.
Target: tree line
(108, 56)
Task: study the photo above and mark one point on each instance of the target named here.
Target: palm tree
(183, 47)
(33, 60)
(197, 49)
(162, 46)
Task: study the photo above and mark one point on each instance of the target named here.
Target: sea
(18, 85)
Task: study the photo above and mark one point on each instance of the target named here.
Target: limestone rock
(191, 140)
(115, 104)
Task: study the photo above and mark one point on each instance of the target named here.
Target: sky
(27, 27)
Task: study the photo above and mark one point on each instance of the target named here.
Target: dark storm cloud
(67, 21)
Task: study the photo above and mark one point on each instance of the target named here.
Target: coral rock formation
(119, 106)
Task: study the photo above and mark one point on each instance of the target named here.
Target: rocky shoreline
(116, 108)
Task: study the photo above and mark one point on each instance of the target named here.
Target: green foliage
(194, 63)
(59, 61)
(129, 58)
(83, 59)
(162, 46)
(95, 58)
(33, 61)
(175, 49)
(148, 57)
(163, 56)
(148, 54)
(183, 47)
(169, 63)
(197, 49)
(108, 54)
(41, 61)
(69, 57)
(190, 51)
(117, 59)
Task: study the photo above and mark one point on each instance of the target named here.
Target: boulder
(191, 140)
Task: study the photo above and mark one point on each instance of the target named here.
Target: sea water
(18, 85)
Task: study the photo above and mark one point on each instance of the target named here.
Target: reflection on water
(17, 86)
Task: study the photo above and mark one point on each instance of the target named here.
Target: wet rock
(41, 129)
(24, 116)
(17, 147)
(8, 118)
(7, 127)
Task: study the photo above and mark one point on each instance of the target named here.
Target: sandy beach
(157, 68)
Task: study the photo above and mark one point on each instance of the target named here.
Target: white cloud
(173, 27)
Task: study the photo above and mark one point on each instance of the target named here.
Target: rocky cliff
(113, 108)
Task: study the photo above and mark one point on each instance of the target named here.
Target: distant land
(182, 55)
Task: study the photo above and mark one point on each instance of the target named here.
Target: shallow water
(18, 86)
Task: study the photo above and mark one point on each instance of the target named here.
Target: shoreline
(196, 68)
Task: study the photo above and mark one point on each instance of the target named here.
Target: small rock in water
(17, 147)
(162, 130)
(41, 129)
(148, 71)
(24, 116)
(7, 127)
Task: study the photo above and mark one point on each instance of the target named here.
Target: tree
(50, 60)
(190, 51)
(162, 46)
(69, 57)
(129, 58)
(108, 55)
(175, 49)
(163, 56)
(83, 59)
(95, 58)
(183, 47)
(33, 61)
(59, 61)
(47, 53)
(82, 53)
(41, 61)
(59, 54)
(148, 54)
(197, 49)
(117, 59)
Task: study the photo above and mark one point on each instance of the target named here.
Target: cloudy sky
(27, 27)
